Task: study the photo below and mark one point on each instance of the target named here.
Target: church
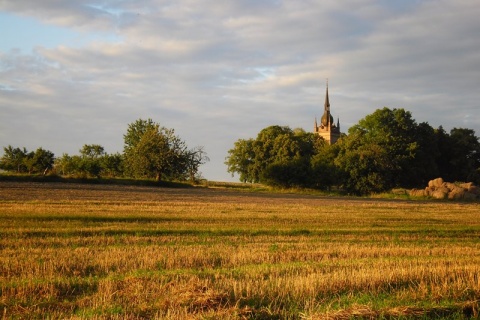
(327, 129)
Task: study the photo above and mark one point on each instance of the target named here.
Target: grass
(80, 251)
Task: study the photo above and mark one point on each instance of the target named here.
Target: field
(78, 251)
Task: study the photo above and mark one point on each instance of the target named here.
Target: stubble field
(73, 251)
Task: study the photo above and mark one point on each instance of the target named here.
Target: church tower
(327, 129)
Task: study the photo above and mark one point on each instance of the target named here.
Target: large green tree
(153, 151)
(91, 159)
(250, 158)
(41, 161)
(386, 149)
(241, 160)
(464, 155)
(278, 156)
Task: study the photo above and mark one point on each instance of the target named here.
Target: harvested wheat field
(78, 251)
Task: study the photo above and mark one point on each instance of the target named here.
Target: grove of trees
(386, 149)
(21, 161)
(150, 151)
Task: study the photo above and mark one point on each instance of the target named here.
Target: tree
(42, 161)
(13, 159)
(67, 165)
(135, 132)
(323, 172)
(241, 160)
(380, 152)
(153, 151)
(465, 154)
(287, 174)
(278, 156)
(196, 157)
(92, 151)
(443, 159)
(151, 155)
(91, 160)
(364, 167)
(250, 158)
(426, 166)
(112, 165)
(21, 161)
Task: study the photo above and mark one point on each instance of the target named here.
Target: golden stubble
(138, 252)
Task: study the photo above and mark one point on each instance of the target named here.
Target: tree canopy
(153, 151)
(380, 152)
(389, 149)
(21, 161)
(93, 161)
(278, 156)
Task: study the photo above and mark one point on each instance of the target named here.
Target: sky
(78, 72)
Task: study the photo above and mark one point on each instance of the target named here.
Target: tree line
(386, 149)
(150, 151)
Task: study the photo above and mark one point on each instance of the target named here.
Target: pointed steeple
(327, 101)
(327, 128)
(327, 119)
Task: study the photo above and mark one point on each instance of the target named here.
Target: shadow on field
(28, 190)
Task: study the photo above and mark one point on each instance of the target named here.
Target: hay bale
(439, 194)
(439, 189)
(417, 193)
(443, 189)
(456, 193)
(399, 191)
(429, 191)
(450, 186)
(435, 183)
(474, 190)
(466, 186)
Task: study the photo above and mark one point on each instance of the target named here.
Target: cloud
(220, 71)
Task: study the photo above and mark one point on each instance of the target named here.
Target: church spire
(327, 101)
(327, 128)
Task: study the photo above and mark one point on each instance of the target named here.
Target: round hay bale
(450, 186)
(429, 191)
(456, 194)
(436, 183)
(439, 194)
